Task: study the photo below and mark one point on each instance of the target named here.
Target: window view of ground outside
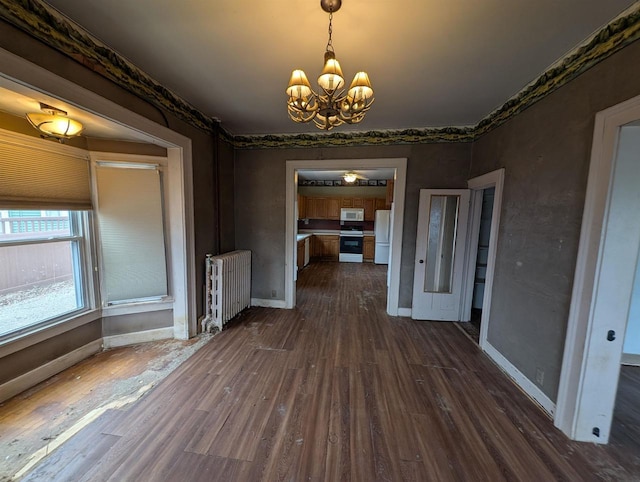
(39, 267)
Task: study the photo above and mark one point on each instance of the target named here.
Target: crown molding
(50, 27)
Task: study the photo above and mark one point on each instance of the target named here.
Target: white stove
(351, 241)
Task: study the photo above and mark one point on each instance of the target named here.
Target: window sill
(12, 344)
(137, 307)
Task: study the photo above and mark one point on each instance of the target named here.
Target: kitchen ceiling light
(53, 122)
(350, 177)
(332, 107)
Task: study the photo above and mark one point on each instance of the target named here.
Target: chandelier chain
(330, 41)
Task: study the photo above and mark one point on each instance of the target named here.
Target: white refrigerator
(382, 232)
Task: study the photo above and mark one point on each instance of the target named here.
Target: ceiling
(432, 63)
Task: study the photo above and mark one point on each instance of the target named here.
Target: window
(42, 280)
(131, 230)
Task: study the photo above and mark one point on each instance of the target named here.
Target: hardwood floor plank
(338, 465)
(336, 390)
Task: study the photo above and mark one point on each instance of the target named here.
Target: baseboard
(405, 312)
(632, 359)
(27, 380)
(268, 303)
(137, 337)
(523, 382)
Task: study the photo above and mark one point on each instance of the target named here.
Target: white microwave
(352, 214)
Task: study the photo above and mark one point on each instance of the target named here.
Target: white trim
(268, 303)
(27, 380)
(490, 179)
(131, 308)
(24, 74)
(631, 359)
(579, 325)
(471, 254)
(400, 166)
(522, 381)
(137, 337)
(404, 312)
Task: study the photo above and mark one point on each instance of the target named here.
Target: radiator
(228, 288)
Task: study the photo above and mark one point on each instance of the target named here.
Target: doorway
(292, 167)
(604, 278)
(486, 205)
(482, 249)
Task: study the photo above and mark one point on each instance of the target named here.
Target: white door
(440, 249)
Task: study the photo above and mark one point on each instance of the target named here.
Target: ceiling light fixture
(53, 122)
(332, 107)
(350, 177)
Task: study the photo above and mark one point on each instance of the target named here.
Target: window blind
(130, 222)
(43, 175)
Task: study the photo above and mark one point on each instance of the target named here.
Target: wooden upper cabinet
(317, 207)
(369, 209)
(389, 193)
(302, 206)
(329, 207)
(333, 208)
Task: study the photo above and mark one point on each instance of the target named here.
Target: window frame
(138, 305)
(82, 256)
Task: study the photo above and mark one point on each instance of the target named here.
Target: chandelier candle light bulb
(331, 107)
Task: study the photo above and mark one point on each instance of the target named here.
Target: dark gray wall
(260, 201)
(226, 180)
(123, 324)
(545, 152)
(23, 361)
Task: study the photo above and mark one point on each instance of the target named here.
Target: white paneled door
(440, 251)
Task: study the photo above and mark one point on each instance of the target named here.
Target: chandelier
(330, 107)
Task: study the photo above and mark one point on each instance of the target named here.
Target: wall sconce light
(53, 122)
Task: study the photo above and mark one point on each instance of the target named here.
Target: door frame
(477, 185)
(292, 167)
(573, 400)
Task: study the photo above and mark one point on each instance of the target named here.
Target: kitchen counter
(320, 232)
(302, 236)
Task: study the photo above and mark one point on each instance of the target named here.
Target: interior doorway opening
(398, 166)
(482, 258)
(604, 278)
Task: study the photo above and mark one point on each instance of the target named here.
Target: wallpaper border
(47, 25)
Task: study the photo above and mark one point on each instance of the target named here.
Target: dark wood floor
(333, 390)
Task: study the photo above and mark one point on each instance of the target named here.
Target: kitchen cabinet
(329, 207)
(317, 207)
(302, 207)
(369, 209)
(300, 254)
(389, 193)
(368, 248)
(333, 208)
(326, 246)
